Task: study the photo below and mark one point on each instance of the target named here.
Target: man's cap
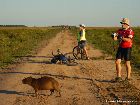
(82, 25)
(125, 21)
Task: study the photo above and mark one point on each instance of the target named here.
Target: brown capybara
(43, 83)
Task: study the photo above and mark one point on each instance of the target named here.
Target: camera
(114, 35)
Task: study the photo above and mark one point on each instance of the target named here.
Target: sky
(69, 12)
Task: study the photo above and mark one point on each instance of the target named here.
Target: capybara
(43, 83)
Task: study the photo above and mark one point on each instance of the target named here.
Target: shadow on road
(105, 81)
(47, 74)
(11, 92)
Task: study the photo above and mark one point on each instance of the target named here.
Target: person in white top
(82, 39)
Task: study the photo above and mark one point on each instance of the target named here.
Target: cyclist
(82, 39)
(125, 36)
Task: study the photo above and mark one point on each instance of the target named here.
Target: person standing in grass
(125, 36)
(82, 39)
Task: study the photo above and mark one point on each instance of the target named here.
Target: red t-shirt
(126, 34)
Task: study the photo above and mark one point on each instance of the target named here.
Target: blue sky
(71, 12)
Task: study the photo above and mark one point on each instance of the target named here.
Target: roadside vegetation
(18, 42)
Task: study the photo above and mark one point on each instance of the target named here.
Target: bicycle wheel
(76, 52)
(83, 55)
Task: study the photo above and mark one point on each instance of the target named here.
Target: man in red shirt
(125, 36)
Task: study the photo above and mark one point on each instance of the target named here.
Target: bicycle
(78, 52)
(63, 59)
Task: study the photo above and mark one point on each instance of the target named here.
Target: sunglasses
(124, 24)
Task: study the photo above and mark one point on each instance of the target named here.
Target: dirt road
(88, 83)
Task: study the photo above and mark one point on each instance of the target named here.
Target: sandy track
(88, 83)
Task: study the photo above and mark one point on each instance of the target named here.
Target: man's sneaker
(118, 79)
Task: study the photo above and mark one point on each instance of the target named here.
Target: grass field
(100, 37)
(17, 42)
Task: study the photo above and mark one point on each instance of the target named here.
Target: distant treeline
(13, 26)
(63, 26)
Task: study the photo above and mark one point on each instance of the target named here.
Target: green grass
(101, 39)
(20, 42)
